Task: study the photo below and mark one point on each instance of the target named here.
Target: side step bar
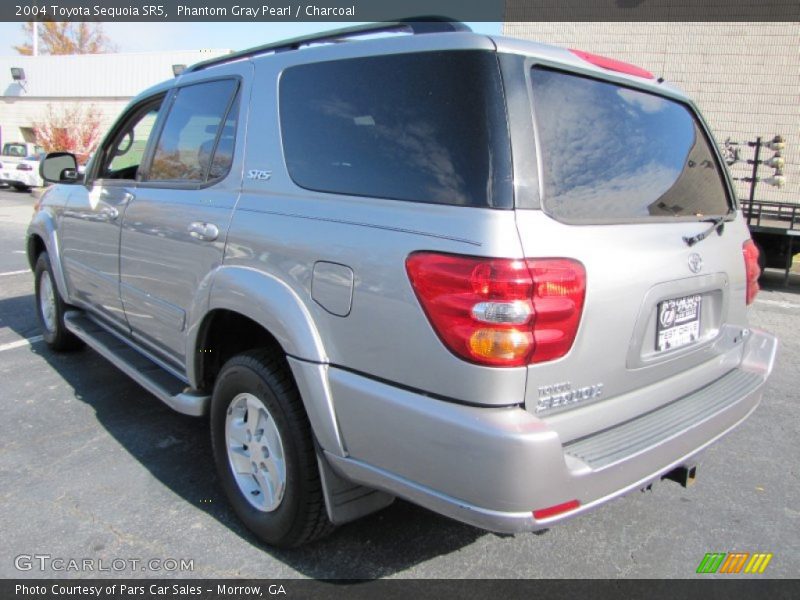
(163, 385)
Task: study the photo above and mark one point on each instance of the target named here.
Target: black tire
(300, 516)
(56, 335)
(21, 188)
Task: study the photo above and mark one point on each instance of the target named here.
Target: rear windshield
(14, 150)
(611, 153)
(422, 127)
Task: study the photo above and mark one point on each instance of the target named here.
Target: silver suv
(505, 281)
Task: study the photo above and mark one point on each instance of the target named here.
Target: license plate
(678, 322)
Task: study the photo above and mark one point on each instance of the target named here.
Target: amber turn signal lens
(500, 344)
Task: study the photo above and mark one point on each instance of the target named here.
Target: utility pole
(36, 38)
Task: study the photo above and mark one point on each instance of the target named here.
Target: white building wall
(18, 115)
(107, 81)
(745, 77)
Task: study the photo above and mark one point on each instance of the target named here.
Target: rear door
(173, 235)
(625, 176)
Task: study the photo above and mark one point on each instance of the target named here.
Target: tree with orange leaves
(73, 129)
(67, 38)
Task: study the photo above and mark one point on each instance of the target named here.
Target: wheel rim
(47, 302)
(255, 452)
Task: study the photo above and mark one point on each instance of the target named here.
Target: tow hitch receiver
(684, 475)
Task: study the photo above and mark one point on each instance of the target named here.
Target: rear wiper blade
(717, 224)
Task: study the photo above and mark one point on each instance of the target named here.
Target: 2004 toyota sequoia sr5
(502, 280)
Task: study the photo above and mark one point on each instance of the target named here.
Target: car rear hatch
(8, 167)
(627, 180)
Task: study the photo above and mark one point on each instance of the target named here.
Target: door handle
(207, 232)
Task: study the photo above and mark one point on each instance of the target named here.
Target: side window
(124, 154)
(424, 127)
(196, 143)
(223, 155)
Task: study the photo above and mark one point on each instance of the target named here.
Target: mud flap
(346, 501)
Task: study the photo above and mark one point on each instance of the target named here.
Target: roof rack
(414, 25)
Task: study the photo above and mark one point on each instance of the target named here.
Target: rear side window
(611, 153)
(196, 142)
(425, 127)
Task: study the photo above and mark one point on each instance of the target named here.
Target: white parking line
(21, 343)
(14, 273)
(19, 252)
(779, 303)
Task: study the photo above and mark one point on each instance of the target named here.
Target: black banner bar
(208, 589)
(388, 10)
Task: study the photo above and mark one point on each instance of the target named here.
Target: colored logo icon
(734, 562)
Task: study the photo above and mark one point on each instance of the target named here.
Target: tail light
(752, 270)
(500, 312)
(24, 167)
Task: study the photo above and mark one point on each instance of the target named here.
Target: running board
(163, 385)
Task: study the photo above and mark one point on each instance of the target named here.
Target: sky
(149, 37)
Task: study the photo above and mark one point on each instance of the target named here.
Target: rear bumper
(492, 467)
(19, 178)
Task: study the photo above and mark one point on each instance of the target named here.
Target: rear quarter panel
(283, 231)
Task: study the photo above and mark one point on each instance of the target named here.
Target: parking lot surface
(94, 467)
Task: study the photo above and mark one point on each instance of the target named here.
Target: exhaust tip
(684, 475)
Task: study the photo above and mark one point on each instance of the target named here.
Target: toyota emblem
(695, 262)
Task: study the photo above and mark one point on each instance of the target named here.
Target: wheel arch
(43, 237)
(249, 309)
(267, 301)
(34, 247)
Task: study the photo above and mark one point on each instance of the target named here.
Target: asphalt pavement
(93, 467)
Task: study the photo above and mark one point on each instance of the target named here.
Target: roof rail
(413, 25)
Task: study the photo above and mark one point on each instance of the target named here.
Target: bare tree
(67, 38)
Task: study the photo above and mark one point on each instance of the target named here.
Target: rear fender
(275, 306)
(268, 301)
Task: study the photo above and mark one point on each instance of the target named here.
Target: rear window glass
(426, 127)
(15, 150)
(612, 153)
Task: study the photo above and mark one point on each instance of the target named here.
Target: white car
(24, 174)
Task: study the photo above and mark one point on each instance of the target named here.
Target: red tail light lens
(500, 312)
(752, 270)
(559, 288)
(611, 64)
